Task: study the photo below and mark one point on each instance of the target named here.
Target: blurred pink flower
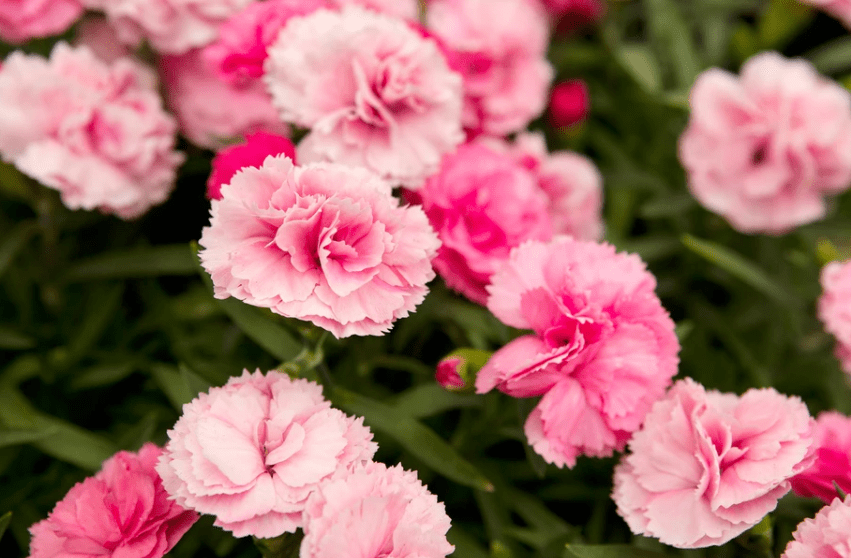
(834, 308)
(102, 38)
(251, 153)
(383, 512)
(827, 535)
(374, 92)
(764, 149)
(323, 242)
(707, 466)
(832, 443)
(569, 103)
(573, 14)
(96, 132)
(602, 352)
(840, 9)
(21, 20)
(500, 48)
(403, 9)
(252, 452)
(121, 512)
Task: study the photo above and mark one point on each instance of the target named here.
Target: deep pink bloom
(382, 512)
(832, 443)
(251, 153)
(121, 512)
(834, 308)
(840, 9)
(707, 466)
(252, 452)
(21, 20)
(500, 48)
(323, 242)
(96, 132)
(602, 352)
(403, 9)
(569, 103)
(374, 92)
(447, 373)
(764, 149)
(827, 535)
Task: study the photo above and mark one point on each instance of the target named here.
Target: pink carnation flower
(403, 9)
(834, 308)
(21, 20)
(252, 452)
(383, 512)
(603, 349)
(374, 92)
(98, 35)
(121, 512)
(500, 48)
(840, 9)
(707, 466)
(96, 132)
(827, 535)
(251, 153)
(764, 149)
(325, 243)
(832, 443)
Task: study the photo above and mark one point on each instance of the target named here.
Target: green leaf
(674, 38)
(174, 259)
(832, 57)
(13, 340)
(781, 21)
(104, 374)
(608, 551)
(5, 520)
(640, 62)
(430, 399)
(179, 385)
(14, 241)
(18, 437)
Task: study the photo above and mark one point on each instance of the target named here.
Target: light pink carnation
(403, 9)
(21, 20)
(374, 92)
(500, 48)
(832, 443)
(764, 149)
(96, 132)
(827, 535)
(382, 512)
(840, 9)
(121, 512)
(252, 452)
(834, 308)
(603, 349)
(707, 466)
(326, 243)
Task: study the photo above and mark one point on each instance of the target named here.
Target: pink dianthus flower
(250, 153)
(323, 242)
(121, 512)
(765, 148)
(252, 452)
(832, 443)
(827, 535)
(834, 308)
(707, 466)
(21, 20)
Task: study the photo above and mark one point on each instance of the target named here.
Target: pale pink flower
(827, 535)
(765, 148)
(707, 466)
(96, 132)
(840, 9)
(121, 512)
(832, 443)
(21, 20)
(251, 153)
(323, 242)
(403, 9)
(834, 308)
(602, 352)
(373, 91)
(382, 512)
(500, 48)
(252, 452)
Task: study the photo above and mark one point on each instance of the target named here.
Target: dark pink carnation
(252, 452)
(827, 535)
(121, 512)
(707, 466)
(21, 20)
(834, 308)
(832, 443)
(569, 103)
(251, 153)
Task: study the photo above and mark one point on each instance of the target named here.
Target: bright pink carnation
(252, 452)
(500, 48)
(603, 349)
(707, 466)
(834, 308)
(382, 512)
(374, 92)
(832, 443)
(764, 149)
(403, 9)
(827, 535)
(251, 153)
(569, 103)
(121, 512)
(325, 243)
(21, 20)
(96, 132)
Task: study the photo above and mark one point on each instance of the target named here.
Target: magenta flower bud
(574, 14)
(569, 103)
(457, 370)
(448, 373)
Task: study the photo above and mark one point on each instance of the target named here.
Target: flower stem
(285, 546)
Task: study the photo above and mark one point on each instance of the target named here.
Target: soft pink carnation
(252, 452)
(96, 132)
(404, 9)
(382, 512)
(707, 466)
(500, 48)
(251, 153)
(840, 9)
(834, 308)
(21, 20)
(374, 92)
(121, 512)
(764, 149)
(602, 352)
(325, 243)
(827, 535)
(832, 443)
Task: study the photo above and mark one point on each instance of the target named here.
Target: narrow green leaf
(174, 383)
(103, 375)
(781, 21)
(832, 57)
(174, 259)
(466, 545)
(18, 437)
(674, 38)
(430, 399)
(13, 340)
(14, 241)
(640, 62)
(608, 551)
(5, 520)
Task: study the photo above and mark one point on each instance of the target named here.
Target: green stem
(285, 546)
